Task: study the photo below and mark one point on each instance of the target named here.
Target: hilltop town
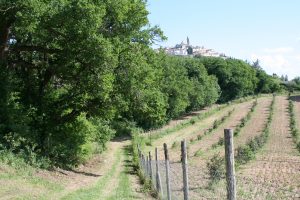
(186, 49)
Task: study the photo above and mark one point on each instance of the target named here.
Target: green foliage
(244, 154)
(266, 83)
(293, 125)
(216, 168)
(60, 71)
(199, 137)
(199, 153)
(73, 73)
(187, 85)
(123, 127)
(89, 136)
(247, 152)
(245, 119)
(175, 144)
(235, 77)
(217, 123)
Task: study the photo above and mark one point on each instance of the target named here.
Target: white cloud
(276, 61)
(280, 64)
(279, 50)
(298, 39)
(281, 60)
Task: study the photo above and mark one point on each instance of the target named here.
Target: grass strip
(244, 154)
(150, 137)
(293, 125)
(123, 191)
(215, 125)
(247, 152)
(94, 192)
(238, 129)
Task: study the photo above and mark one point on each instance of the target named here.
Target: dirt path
(193, 130)
(257, 122)
(111, 185)
(275, 174)
(198, 127)
(198, 177)
(99, 178)
(205, 144)
(184, 118)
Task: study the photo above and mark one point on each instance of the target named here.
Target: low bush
(245, 119)
(175, 144)
(293, 125)
(244, 154)
(247, 152)
(199, 137)
(216, 168)
(199, 153)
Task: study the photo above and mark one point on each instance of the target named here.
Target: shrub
(174, 145)
(123, 127)
(216, 168)
(293, 126)
(244, 154)
(75, 142)
(198, 153)
(247, 152)
(192, 121)
(199, 137)
(215, 125)
(221, 141)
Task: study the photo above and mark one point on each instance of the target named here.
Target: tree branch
(34, 48)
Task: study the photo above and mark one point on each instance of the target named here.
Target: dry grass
(255, 126)
(193, 130)
(275, 174)
(100, 178)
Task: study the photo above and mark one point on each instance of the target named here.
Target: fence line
(170, 179)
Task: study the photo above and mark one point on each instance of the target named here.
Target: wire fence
(177, 180)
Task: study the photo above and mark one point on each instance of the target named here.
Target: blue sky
(268, 30)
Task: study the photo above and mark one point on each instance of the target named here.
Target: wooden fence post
(147, 165)
(184, 170)
(143, 163)
(150, 166)
(158, 179)
(167, 171)
(229, 158)
(139, 154)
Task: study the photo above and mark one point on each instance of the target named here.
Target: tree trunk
(4, 33)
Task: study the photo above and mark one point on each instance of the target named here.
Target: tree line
(76, 73)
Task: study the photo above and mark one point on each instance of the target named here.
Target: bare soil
(234, 120)
(193, 130)
(275, 174)
(256, 125)
(198, 175)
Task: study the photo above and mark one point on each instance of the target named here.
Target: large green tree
(63, 56)
(235, 77)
